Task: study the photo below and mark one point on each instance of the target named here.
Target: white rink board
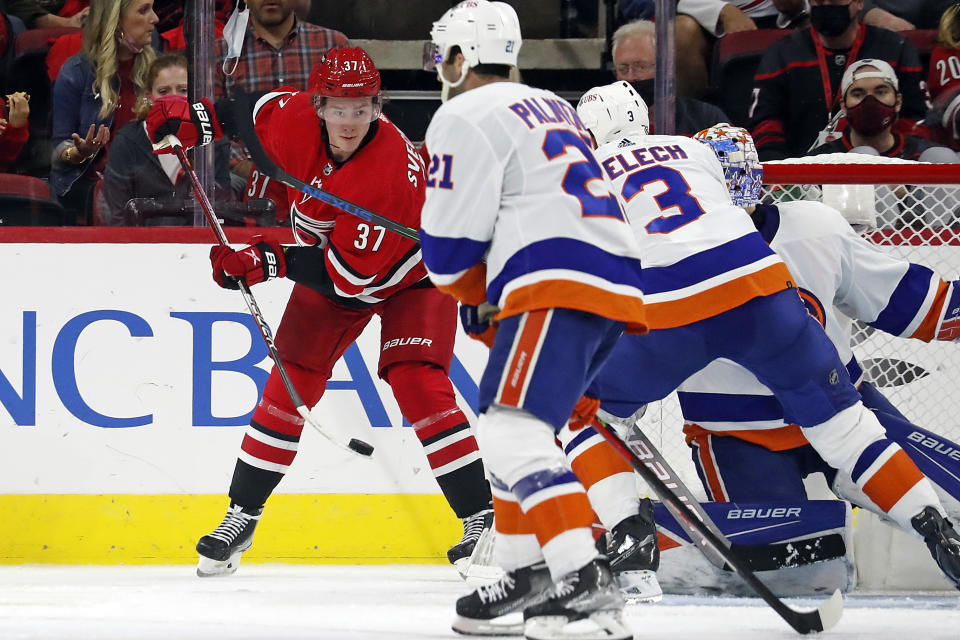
(163, 290)
(160, 290)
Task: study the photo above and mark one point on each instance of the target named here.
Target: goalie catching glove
(194, 124)
(261, 260)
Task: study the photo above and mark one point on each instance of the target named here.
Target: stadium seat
(735, 59)
(923, 40)
(27, 201)
(39, 40)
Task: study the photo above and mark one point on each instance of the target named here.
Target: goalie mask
(486, 32)
(742, 170)
(346, 72)
(612, 111)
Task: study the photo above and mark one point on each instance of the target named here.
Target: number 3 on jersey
(581, 173)
(677, 195)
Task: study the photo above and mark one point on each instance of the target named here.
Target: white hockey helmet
(613, 110)
(738, 156)
(486, 32)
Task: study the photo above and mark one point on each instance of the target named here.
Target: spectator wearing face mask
(798, 80)
(700, 23)
(134, 171)
(634, 56)
(871, 102)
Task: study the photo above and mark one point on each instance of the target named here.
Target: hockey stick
(820, 619)
(357, 446)
(766, 557)
(238, 111)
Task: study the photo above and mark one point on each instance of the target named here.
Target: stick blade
(824, 617)
(831, 611)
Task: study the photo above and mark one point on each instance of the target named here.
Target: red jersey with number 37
(365, 262)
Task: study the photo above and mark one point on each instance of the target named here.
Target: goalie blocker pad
(798, 548)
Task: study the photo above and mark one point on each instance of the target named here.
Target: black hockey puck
(360, 447)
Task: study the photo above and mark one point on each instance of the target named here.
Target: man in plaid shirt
(278, 50)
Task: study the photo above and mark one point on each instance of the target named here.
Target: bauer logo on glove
(261, 260)
(193, 124)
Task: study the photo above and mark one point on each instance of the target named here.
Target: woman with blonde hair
(134, 171)
(94, 96)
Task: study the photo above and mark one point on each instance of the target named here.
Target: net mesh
(916, 221)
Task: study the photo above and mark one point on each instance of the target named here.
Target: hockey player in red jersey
(346, 270)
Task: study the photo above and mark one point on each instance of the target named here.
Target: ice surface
(377, 602)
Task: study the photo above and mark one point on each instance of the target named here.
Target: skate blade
(479, 575)
(463, 566)
(208, 567)
(507, 625)
(639, 586)
(600, 625)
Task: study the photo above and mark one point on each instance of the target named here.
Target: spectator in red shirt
(13, 129)
(278, 49)
(944, 79)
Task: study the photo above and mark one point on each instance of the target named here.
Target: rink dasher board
(114, 421)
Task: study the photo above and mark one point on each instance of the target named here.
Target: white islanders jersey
(518, 212)
(839, 275)
(701, 254)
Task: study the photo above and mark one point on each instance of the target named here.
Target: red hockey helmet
(346, 72)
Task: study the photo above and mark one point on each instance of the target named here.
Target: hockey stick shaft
(240, 113)
(647, 453)
(803, 622)
(355, 445)
(762, 557)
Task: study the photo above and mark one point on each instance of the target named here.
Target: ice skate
(221, 549)
(585, 605)
(942, 540)
(473, 526)
(634, 556)
(495, 609)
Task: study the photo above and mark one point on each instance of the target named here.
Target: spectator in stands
(278, 49)
(871, 102)
(701, 22)
(45, 14)
(944, 79)
(797, 83)
(904, 15)
(95, 94)
(634, 54)
(134, 171)
(13, 128)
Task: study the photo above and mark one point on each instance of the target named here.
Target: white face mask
(234, 33)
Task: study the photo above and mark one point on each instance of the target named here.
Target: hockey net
(909, 209)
